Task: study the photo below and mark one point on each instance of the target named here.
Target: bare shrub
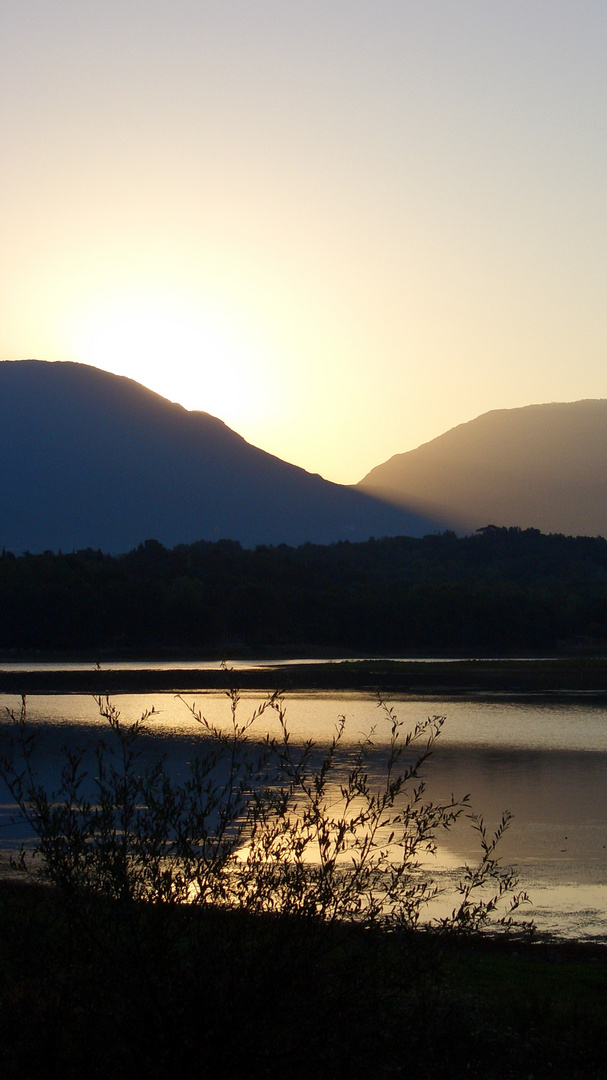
(258, 824)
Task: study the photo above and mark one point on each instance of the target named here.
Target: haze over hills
(542, 466)
(91, 459)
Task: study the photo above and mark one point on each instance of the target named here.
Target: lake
(545, 762)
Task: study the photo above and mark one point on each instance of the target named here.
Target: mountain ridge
(540, 466)
(92, 459)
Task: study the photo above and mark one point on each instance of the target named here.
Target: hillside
(542, 466)
(91, 459)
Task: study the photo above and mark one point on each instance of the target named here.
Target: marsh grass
(202, 991)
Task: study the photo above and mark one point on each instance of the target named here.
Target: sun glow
(196, 356)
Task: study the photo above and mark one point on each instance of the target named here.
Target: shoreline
(558, 679)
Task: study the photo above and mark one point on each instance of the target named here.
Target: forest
(499, 591)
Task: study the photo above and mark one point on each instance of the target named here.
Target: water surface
(544, 762)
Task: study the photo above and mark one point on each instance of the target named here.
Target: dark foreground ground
(564, 676)
(88, 989)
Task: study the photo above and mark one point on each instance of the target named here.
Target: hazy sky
(342, 226)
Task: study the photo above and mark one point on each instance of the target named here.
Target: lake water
(544, 762)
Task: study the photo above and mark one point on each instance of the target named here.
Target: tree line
(501, 590)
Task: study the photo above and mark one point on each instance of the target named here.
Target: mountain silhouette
(542, 466)
(91, 459)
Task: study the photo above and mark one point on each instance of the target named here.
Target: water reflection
(544, 763)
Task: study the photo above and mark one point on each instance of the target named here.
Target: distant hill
(542, 466)
(91, 459)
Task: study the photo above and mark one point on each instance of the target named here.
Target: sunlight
(188, 354)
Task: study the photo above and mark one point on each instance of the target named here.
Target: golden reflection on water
(545, 763)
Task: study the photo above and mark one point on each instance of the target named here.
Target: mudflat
(567, 678)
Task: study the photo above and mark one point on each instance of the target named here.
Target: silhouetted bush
(258, 824)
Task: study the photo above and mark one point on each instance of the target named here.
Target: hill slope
(542, 466)
(91, 459)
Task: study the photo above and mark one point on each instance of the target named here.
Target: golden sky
(341, 226)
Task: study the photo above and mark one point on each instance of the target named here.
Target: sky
(342, 226)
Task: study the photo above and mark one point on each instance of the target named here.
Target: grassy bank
(560, 676)
(89, 988)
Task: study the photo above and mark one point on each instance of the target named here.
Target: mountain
(542, 466)
(91, 459)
